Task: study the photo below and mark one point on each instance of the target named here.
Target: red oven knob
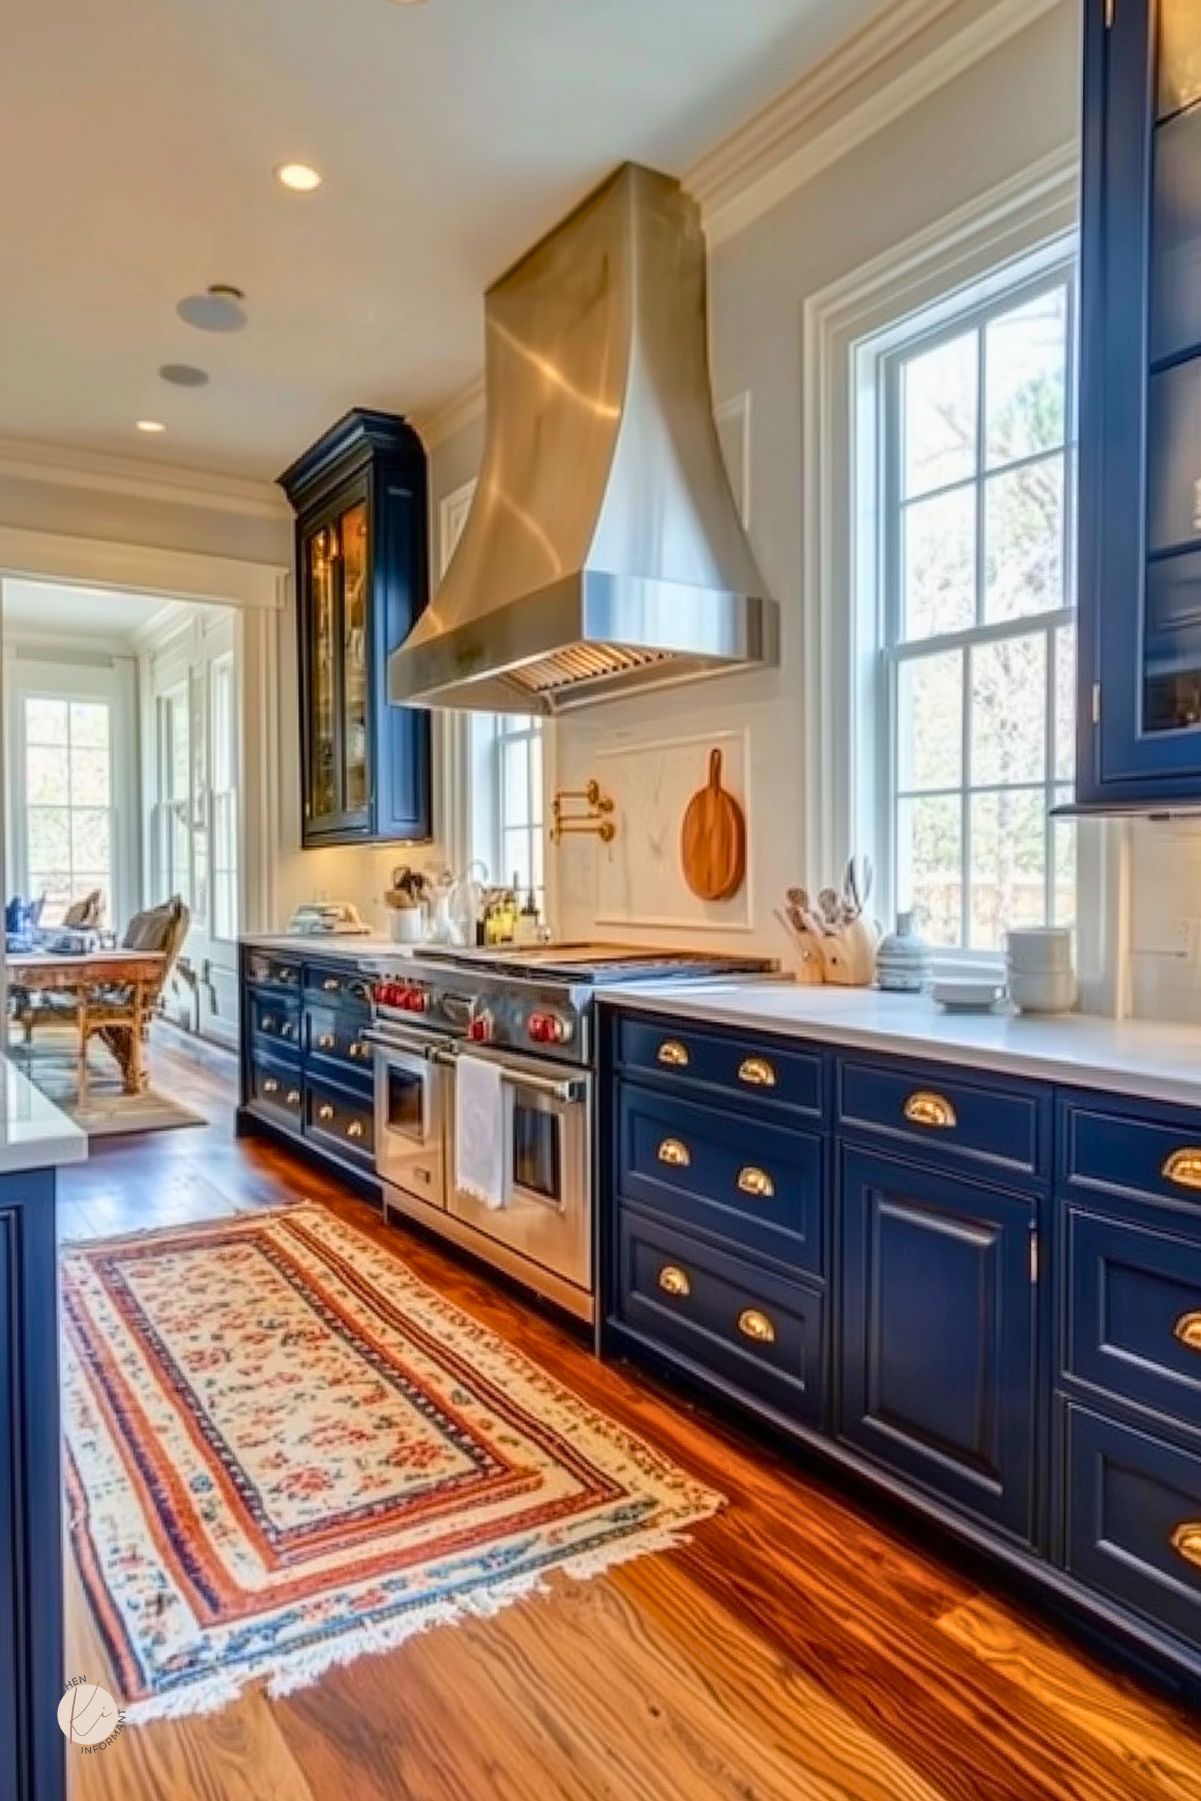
(417, 1000)
(548, 1028)
(479, 1029)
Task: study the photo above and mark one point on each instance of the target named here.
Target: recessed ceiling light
(302, 178)
(151, 425)
(183, 375)
(219, 308)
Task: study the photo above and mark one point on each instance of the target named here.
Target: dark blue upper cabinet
(361, 581)
(1140, 408)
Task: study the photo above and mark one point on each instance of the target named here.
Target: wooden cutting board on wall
(713, 839)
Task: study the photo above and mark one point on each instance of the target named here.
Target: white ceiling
(137, 140)
(88, 615)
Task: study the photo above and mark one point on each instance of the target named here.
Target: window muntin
(978, 626)
(519, 803)
(223, 790)
(68, 816)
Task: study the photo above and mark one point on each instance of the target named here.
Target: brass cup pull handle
(1186, 1541)
(326, 1041)
(674, 1152)
(672, 1052)
(756, 1326)
(756, 1182)
(266, 1023)
(1183, 1167)
(325, 1111)
(270, 1086)
(757, 1072)
(355, 1129)
(331, 984)
(672, 1280)
(359, 1049)
(928, 1109)
(293, 1097)
(1188, 1330)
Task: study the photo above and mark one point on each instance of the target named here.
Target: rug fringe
(289, 1672)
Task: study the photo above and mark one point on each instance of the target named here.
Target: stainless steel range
(528, 1012)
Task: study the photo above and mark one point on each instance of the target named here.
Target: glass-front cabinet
(360, 500)
(1140, 433)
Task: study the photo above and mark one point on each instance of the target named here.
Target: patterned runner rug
(285, 1451)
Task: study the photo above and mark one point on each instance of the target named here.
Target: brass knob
(1188, 1330)
(671, 1051)
(755, 1325)
(293, 1097)
(673, 1152)
(326, 1041)
(757, 1182)
(270, 1085)
(1186, 1541)
(355, 1129)
(757, 1072)
(331, 984)
(266, 1023)
(325, 1111)
(925, 1108)
(673, 1280)
(1183, 1167)
(359, 1049)
(287, 1030)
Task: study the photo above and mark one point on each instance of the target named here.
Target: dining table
(89, 979)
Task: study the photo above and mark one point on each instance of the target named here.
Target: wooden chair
(120, 1016)
(29, 1009)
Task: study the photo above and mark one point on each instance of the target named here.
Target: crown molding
(786, 145)
(106, 473)
(454, 415)
(141, 569)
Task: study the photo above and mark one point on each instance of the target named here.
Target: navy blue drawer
(755, 1331)
(1132, 1312)
(756, 1071)
(1001, 1127)
(335, 1035)
(344, 1122)
(1134, 1520)
(1131, 1148)
(275, 1019)
(337, 987)
(272, 972)
(275, 1089)
(757, 1184)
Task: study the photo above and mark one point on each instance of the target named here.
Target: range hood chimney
(603, 551)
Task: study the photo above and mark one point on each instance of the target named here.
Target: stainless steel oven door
(412, 1081)
(546, 1132)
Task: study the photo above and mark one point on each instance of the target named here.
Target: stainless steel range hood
(603, 551)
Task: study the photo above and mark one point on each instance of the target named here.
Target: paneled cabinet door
(1140, 423)
(938, 1333)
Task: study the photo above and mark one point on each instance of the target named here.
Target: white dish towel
(479, 1131)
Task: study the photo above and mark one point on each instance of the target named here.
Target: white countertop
(322, 947)
(1136, 1056)
(34, 1133)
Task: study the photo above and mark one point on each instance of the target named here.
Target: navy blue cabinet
(938, 1333)
(981, 1293)
(1139, 716)
(361, 581)
(31, 1588)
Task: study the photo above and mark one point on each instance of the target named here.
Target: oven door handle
(409, 1047)
(569, 1091)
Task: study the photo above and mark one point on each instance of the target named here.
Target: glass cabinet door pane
(321, 550)
(1172, 650)
(352, 527)
(1174, 458)
(1179, 55)
(1176, 235)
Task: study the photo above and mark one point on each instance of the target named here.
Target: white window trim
(1034, 210)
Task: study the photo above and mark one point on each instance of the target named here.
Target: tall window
(69, 806)
(172, 833)
(519, 801)
(223, 790)
(978, 637)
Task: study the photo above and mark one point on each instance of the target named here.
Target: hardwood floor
(798, 1648)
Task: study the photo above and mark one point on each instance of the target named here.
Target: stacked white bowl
(1039, 963)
